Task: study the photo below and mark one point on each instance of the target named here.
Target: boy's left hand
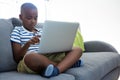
(35, 39)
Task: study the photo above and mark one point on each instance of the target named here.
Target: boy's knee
(77, 49)
(29, 57)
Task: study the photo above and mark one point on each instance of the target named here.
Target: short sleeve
(79, 41)
(15, 35)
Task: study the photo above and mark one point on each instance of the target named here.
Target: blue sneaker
(51, 71)
(78, 64)
(55, 72)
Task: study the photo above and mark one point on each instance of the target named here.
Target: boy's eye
(35, 18)
(29, 18)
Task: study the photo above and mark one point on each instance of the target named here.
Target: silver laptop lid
(57, 36)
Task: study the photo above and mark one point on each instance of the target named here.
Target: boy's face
(29, 18)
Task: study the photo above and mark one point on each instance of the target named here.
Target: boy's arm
(19, 51)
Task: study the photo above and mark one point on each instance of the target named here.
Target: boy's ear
(20, 16)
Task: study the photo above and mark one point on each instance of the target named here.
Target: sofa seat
(96, 67)
(14, 75)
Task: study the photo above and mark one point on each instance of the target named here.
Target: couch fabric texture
(101, 60)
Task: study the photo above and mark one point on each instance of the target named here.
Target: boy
(25, 49)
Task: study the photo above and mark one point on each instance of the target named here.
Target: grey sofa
(101, 60)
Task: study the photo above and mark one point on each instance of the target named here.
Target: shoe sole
(49, 70)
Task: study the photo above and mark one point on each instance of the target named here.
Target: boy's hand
(34, 40)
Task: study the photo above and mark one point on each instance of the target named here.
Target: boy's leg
(37, 62)
(41, 64)
(69, 60)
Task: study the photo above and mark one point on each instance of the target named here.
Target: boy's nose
(33, 20)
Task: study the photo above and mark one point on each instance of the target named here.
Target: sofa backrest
(6, 57)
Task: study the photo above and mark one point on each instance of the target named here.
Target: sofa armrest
(98, 46)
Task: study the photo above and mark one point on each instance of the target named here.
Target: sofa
(101, 60)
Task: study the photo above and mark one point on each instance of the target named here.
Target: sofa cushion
(113, 75)
(16, 22)
(6, 56)
(96, 65)
(13, 75)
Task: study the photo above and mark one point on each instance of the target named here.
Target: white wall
(10, 8)
(99, 19)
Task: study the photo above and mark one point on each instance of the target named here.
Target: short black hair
(28, 6)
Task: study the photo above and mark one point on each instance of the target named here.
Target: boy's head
(29, 15)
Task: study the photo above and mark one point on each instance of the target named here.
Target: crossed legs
(38, 62)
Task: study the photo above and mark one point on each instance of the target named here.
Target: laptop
(57, 36)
